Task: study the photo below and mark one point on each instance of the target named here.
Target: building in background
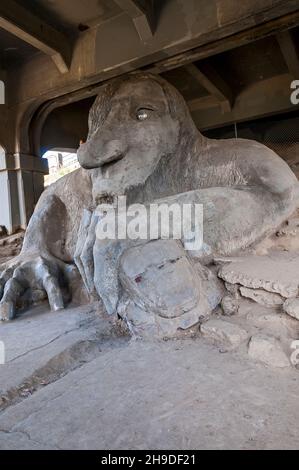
(60, 164)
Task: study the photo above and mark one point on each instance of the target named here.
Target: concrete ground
(72, 381)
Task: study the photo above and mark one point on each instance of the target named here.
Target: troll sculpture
(143, 143)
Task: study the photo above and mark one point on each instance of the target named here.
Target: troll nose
(84, 156)
(94, 154)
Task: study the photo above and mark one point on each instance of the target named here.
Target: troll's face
(131, 126)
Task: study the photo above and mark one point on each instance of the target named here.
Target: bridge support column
(21, 184)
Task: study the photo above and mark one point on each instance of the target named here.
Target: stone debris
(229, 305)
(290, 228)
(16, 239)
(223, 333)
(273, 323)
(10, 246)
(262, 297)
(279, 275)
(283, 237)
(268, 350)
(291, 307)
(233, 289)
(3, 231)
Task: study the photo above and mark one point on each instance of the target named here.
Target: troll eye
(143, 114)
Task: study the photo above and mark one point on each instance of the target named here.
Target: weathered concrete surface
(224, 333)
(37, 353)
(230, 305)
(176, 394)
(262, 297)
(271, 322)
(278, 273)
(73, 380)
(268, 350)
(291, 307)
